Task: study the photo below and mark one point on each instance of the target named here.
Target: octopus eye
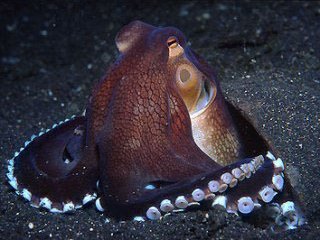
(172, 42)
(188, 77)
(195, 88)
(185, 75)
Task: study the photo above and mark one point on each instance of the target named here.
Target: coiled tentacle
(52, 170)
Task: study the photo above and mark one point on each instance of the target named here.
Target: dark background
(266, 55)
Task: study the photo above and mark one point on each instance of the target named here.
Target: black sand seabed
(266, 56)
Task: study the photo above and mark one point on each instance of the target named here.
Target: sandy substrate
(267, 59)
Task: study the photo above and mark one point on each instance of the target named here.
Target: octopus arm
(53, 170)
(239, 187)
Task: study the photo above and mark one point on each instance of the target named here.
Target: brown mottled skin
(137, 117)
(156, 126)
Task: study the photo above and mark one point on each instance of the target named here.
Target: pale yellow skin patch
(212, 127)
(217, 137)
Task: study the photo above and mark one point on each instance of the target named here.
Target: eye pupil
(184, 75)
(172, 42)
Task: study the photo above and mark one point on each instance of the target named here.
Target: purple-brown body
(157, 136)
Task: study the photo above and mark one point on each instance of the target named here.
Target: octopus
(157, 137)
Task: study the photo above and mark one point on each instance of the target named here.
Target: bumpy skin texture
(138, 132)
(148, 128)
